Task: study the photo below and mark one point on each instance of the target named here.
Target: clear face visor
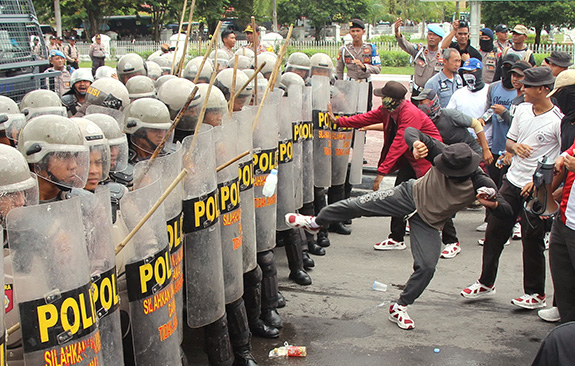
(322, 71)
(67, 168)
(301, 71)
(114, 113)
(214, 116)
(35, 112)
(99, 164)
(18, 195)
(13, 125)
(118, 154)
(148, 139)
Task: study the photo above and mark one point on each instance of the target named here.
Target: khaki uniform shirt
(489, 65)
(425, 63)
(366, 53)
(71, 53)
(97, 50)
(62, 81)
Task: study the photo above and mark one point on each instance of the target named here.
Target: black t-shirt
(473, 53)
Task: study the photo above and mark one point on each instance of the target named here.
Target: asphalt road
(342, 321)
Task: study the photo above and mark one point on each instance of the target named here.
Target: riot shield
(306, 132)
(265, 159)
(245, 119)
(344, 104)
(285, 186)
(167, 168)
(321, 131)
(2, 327)
(356, 169)
(202, 241)
(97, 219)
(225, 144)
(52, 279)
(153, 316)
(295, 95)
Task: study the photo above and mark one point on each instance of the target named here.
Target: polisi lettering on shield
(265, 160)
(174, 227)
(150, 275)
(246, 175)
(201, 212)
(105, 293)
(321, 120)
(285, 151)
(229, 195)
(302, 130)
(57, 318)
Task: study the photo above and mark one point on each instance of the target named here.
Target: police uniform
(489, 64)
(62, 82)
(444, 87)
(426, 63)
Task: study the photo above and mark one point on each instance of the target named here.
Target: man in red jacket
(395, 115)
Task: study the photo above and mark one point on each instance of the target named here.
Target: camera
(463, 23)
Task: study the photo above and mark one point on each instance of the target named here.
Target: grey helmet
(105, 72)
(290, 78)
(40, 102)
(162, 79)
(270, 59)
(192, 67)
(117, 140)
(299, 63)
(321, 63)
(223, 60)
(147, 122)
(244, 51)
(175, 92)
(18, 187)
(154, 70)
(244, 63)
(129, 65)
(140, 86)
(164, 62)
(224, 81)
(109, 93)
(11, 120)
(96, 141)
(81, 75)
(51, 141)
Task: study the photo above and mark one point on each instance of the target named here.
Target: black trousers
(562, 263)
(532, 234)
(97, 62)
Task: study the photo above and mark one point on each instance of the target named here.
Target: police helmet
(49, 137)
(322, 64)
(130, 65)
(117, 140)
(81, 75)
(154, 70)
(140, 86)
(223, 59)
(192, 67)
(299, 63)
(11, 120)
(244, 63)
(164, 62)
(147, 122)
(42, 101)
(244, 51)
(270, 59)
(96, 141)
(109, 93)
(290, 78)
(175, 92)
(224, 81)
(105, 72)
(162, 79)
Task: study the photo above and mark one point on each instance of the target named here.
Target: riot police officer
(130, 65)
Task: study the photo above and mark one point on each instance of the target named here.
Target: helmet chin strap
(57, 183)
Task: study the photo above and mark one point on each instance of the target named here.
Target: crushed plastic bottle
(288, 351)
(270, 184)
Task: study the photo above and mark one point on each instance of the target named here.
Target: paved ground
(340, 321)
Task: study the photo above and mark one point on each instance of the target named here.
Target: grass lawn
(407, 70)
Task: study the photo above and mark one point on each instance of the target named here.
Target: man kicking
(453, 183)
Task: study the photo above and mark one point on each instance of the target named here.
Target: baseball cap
(538, 76)
(392, 89)
(520, 29)
(434, 28)
(501, 28)
(425, 94)
(520, 66)
(565, 78)
(57, 53)
(471, 64)
(356, 23)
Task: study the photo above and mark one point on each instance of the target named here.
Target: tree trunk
(538, 35)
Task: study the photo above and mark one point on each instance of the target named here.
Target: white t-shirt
(542, 133)
(468, 102)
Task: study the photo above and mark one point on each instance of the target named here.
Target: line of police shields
(63, 252)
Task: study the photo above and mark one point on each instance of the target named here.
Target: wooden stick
(183, 59)
(254, 75)
(178, 40)
(13, 329)
(210, 45)
(273, 77)
(233, 90)
(255, 44)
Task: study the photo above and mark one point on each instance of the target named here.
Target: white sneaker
(516, 231)
(481, 227)
(533, 301)
(546, 239)
(451, 250)
(400, 317)
(301, 221)
(407, 229)
(482, 241)
(550, 315)
(390, 244)
(477, 290)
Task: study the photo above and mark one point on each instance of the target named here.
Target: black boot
(307, 261)
(322, 239)
(272, 318)
(312, 246)
(240, 336)
(281, 300)
(339, 228)
(295, 260)
(218, 346)
(244, 358)
(269, 312)
(253, 300)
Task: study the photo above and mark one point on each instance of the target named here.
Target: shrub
(394, 58)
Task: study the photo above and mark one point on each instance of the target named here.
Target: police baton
(233, 90)
(178, 39)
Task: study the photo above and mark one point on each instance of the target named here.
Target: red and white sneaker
(302, 221)
(451, 250)
(534, 301)
(516, 231)
(477, 290)
(390, 244)
(400, 317)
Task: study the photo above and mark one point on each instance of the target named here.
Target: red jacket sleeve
(373, 117)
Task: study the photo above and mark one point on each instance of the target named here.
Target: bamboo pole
(210, 45)
(254, 75)
(178, 40)
(233, 90)
(178, 71)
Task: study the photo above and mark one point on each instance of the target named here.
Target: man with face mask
(472, 99)
(450, 185)
(488, 53)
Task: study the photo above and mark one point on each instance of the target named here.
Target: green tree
(320, 12)
(536, 14)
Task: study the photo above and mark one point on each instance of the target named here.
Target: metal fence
(120, 48)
